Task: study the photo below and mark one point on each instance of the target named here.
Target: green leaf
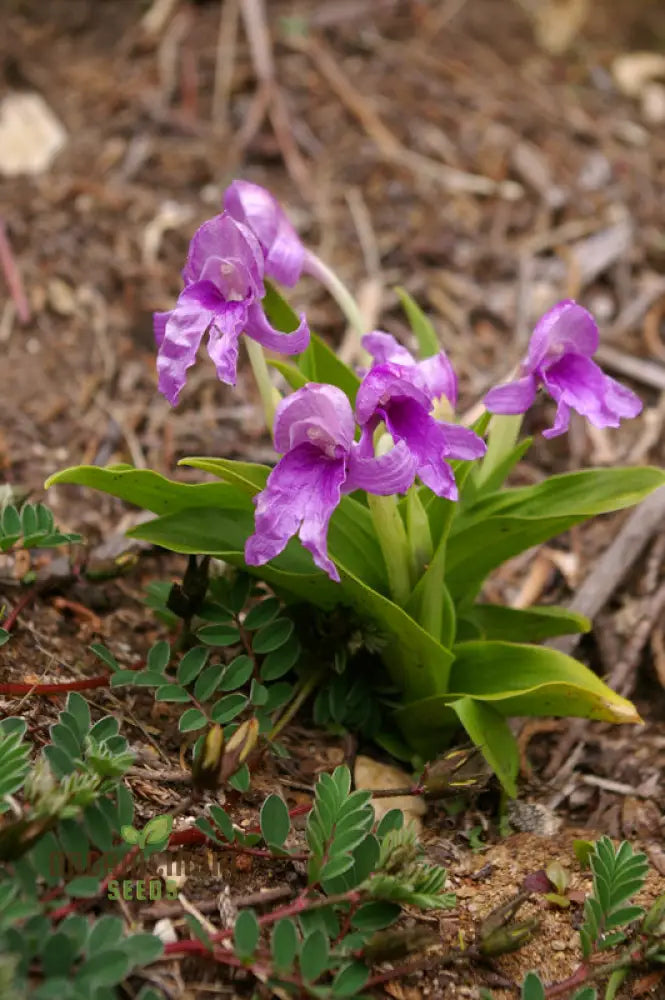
(130, 834)
(218, 635)
(223, 821)
(261, 614)
(493, 621)
(58, 955)
(241, 779)
(393, 820)
(516, 680)
(83, 887)
(275, 822)
(106, 968)
(493, 735)
(78, 707)
(249, 476)
(284, 945)
(158, 657)
(151, 491)
(314, 955)
(192, 719)
(158, 829)
(293, 375)
(372, 917)
(237, 673)
(171, 692)
(142, 949)
(4, 636)
(227, 708)
(106, 931)
(192, 664)
(208, 682)
(105, 655)
(510, 521)
(281, 660)
(272, 636)
(532, 987)
(245, 934)
(425, 334)
(350, 978)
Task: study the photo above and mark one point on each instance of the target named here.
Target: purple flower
(314, 430)
(435, 375)
(559, 358)
(222, 296)
(390, 393)
(257, 209)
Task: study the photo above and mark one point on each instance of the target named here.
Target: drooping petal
(580, 383)
(225, 331)
(621, 400)
(567, 328)
(462, 443)
(385, 348)
(159, 321)
(229, 254)
(259, 329)
(181, 336)
(561, 421)
(391, 473)
(316, 414)
(425, 438)
(300, 496)
(257, 208)
(513, 397)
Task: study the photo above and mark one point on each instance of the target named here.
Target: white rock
(633, 70)
(165, 931)
(30, 135)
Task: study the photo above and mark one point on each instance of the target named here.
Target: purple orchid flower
(435, 375)
(559, 359)
(222, 296)
(391, 393)
(257, 209)
(314, 430)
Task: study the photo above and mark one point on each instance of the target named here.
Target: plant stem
(391, 534)
(501, 439)
(418, 534)
(267, 391)
(306, 687)
(342, 296)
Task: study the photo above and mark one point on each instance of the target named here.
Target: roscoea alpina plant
(380, 500)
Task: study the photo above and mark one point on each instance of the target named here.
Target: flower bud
(502, 940)
(205, 769)
(238, 748)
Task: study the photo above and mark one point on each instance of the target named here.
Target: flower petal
(561, 421)
(581, 384)
(257, 208)
(439, 377)
(225, 331)
(513, 397)
(385, 348)
(159, 321)
(300, 496)
(181, 336)
(384, 383)
(425, 438)
(316, 414)
(463, 443)
(621, 400)
(259, 329)
(230, 255)
(391, 473)
(567, 328)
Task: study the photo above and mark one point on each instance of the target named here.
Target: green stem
(501, 439)
(306, 688)
(391, 534)
(267, 391)
(342, 296)
(418, 534)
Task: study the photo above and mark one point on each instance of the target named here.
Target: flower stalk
(391, 534)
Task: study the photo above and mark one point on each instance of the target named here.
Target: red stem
(86, 684)
(13, 276)
(23, 601)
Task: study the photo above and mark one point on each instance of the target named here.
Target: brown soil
(382, 98)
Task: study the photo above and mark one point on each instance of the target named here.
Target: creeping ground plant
(380, 503)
